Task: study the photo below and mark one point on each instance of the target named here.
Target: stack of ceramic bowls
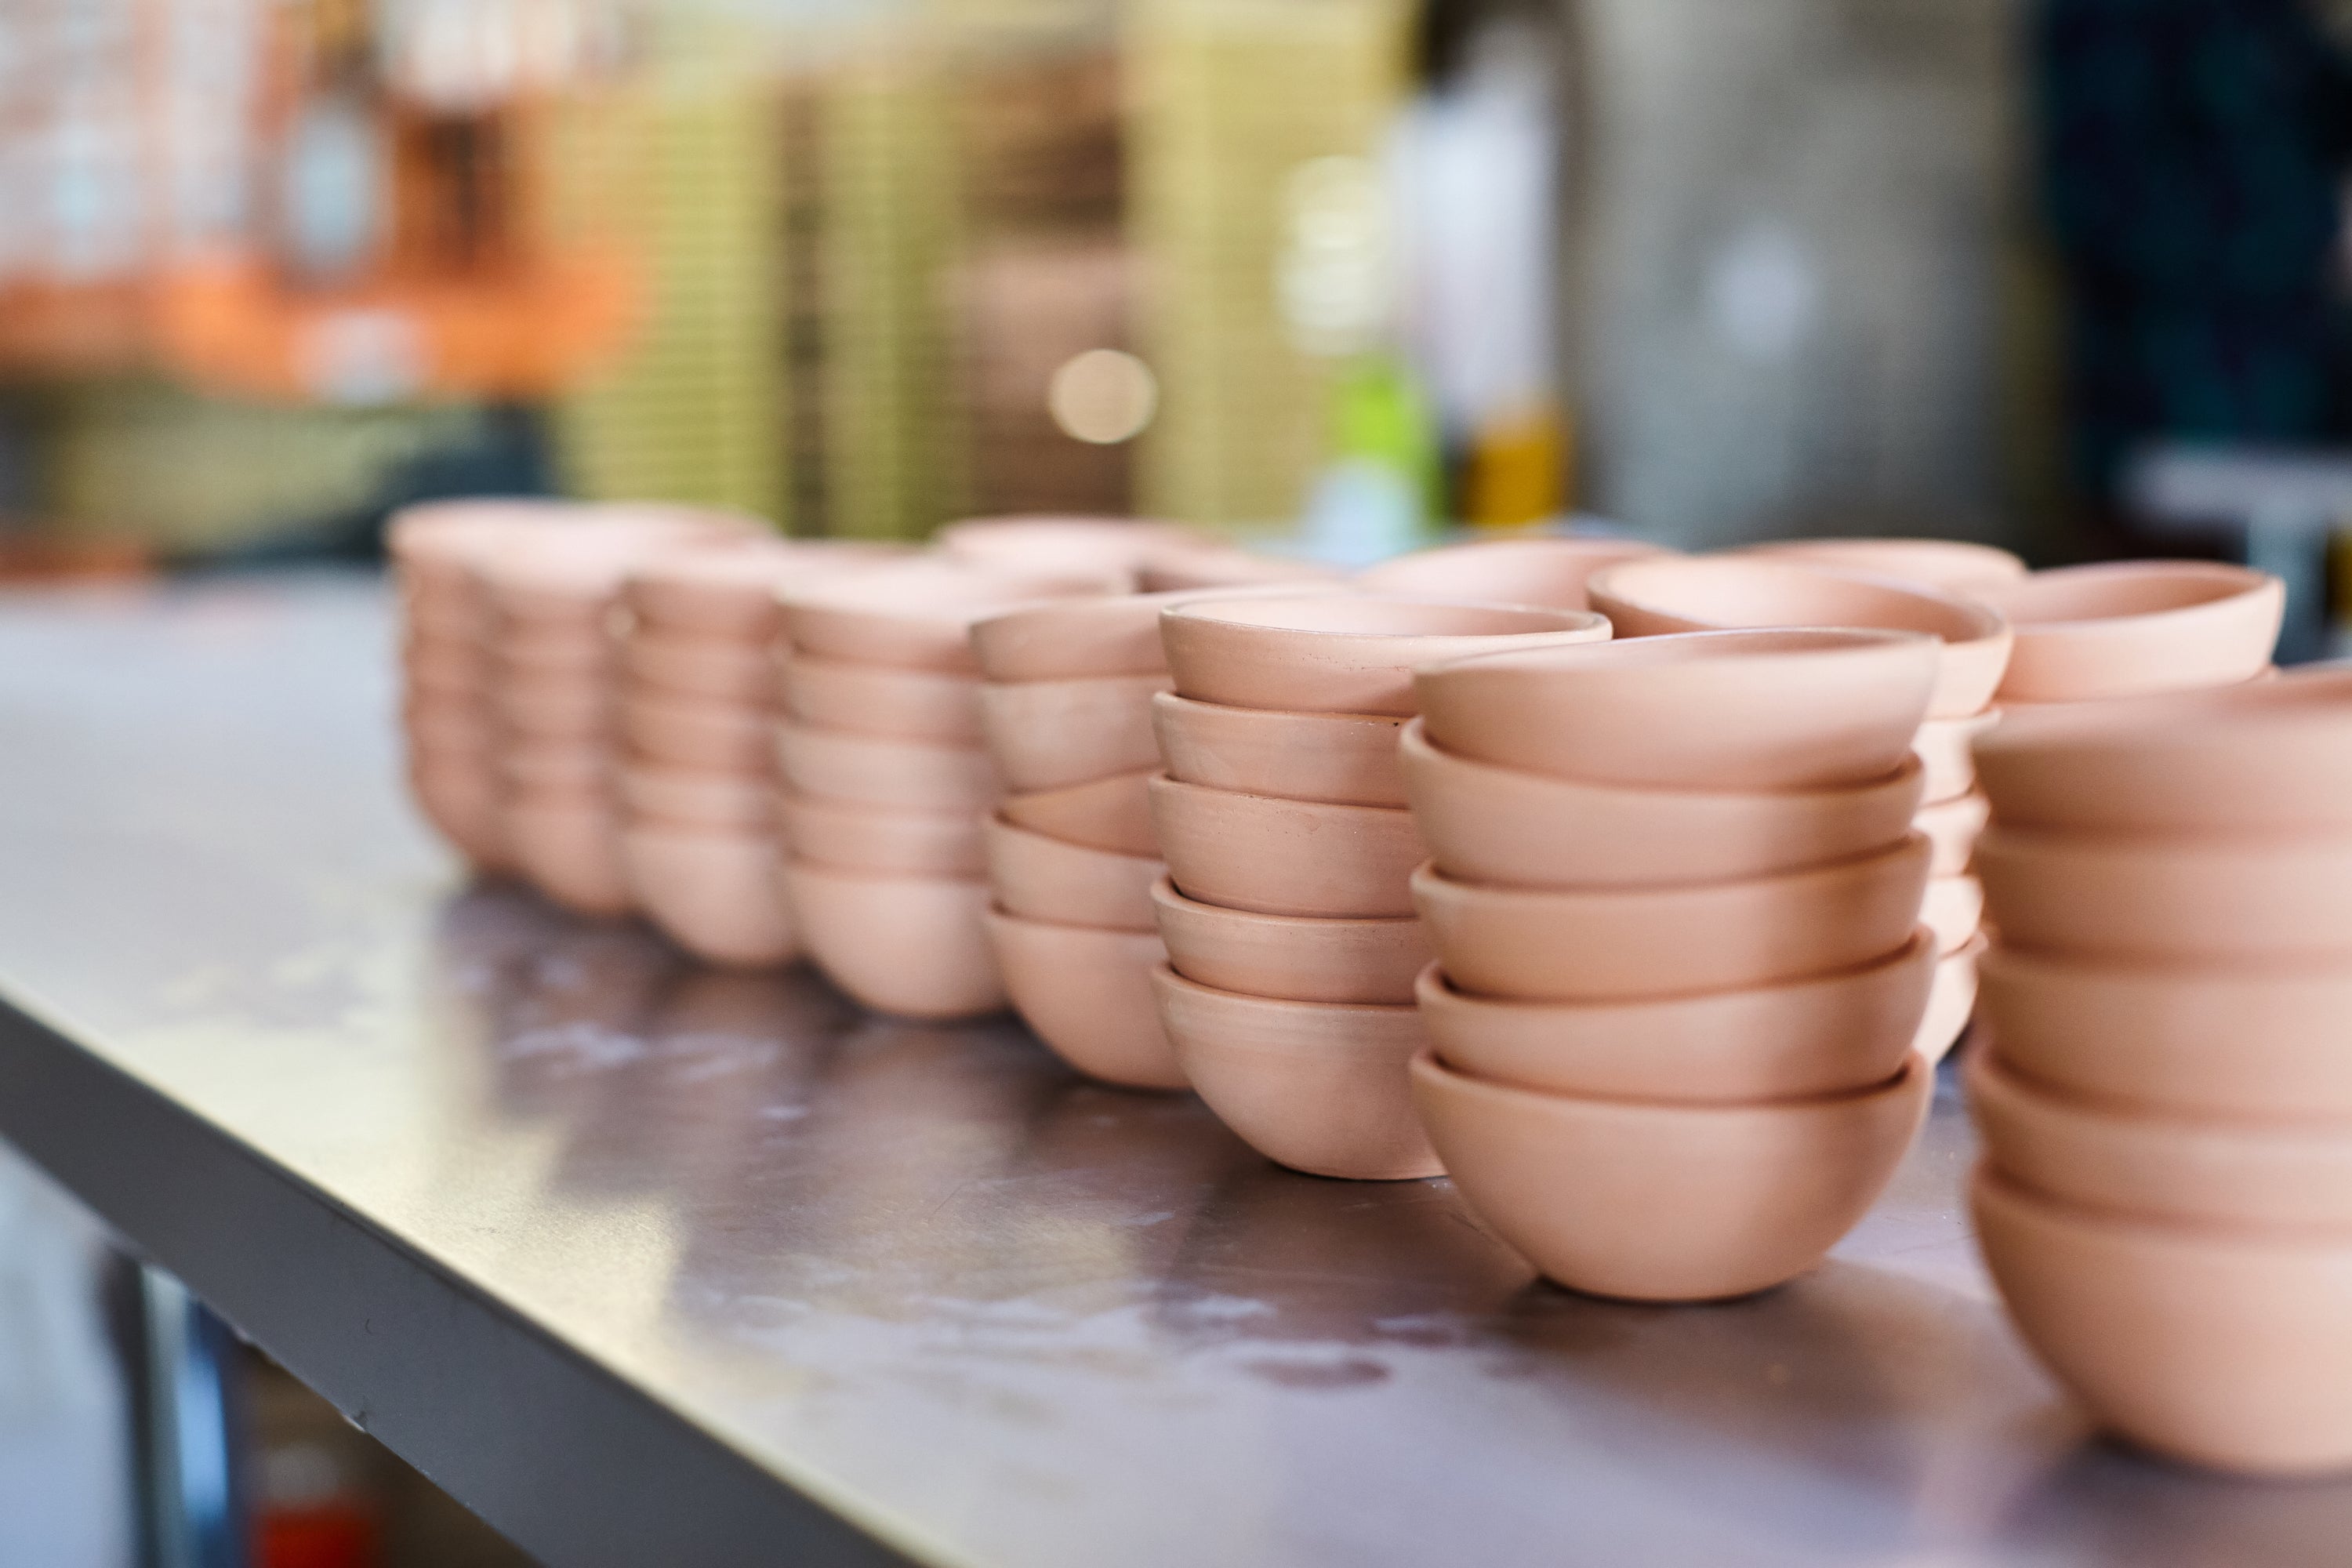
(1674, 894)
(884, 782)
(1286, 911)
(1644, 598)
(697, 718)
(2166, 1098)
(445, 662)
(1540, 570)
(2132, 628)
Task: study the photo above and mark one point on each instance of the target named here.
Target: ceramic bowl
(571, 575)
(564, 709)
(1656, 1202)
(1947, 565)
(2124, 628)
(1675, 593)
(2226, 1348)
(1341, 653)
(1953, 908)
(1047, 734)
(1043, 879)
(851, 838)
(1501, 825)
(1276, 856)
(1551, 572)
(710, 669)
(556, 768)
(698, 733)
(728, 591)
(696, 797)
(439, 725)
(455, 672)
(882, 771)
(2225, 1039)
(1953, 827)
(556, 654)
(1098, 545)
(1951, 1001)
(2193, 1168)
(569, 849)
(1175, 568)
(1118, 633)
(1942, 747)
(914, 615)
(1348, 759)
(1113, 814)
(2244, 898)
(1718, 711)
(464, 804)
(1823, 1036)
(1088, 994)
(714, 891)
(1624, 943)
(1293, 959)
(2273, 755)
(875, 699)
(914, 946)
(1318, 1087)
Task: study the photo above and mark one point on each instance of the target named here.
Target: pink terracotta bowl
(914, 946)
(1954, 909)
(1285, 856)
(1511, 828)
(2193, 1168)
(1100, 546)
(1718, 711)
(558, 656)
(1370, 961)
(2270, 756)
(696, 797)
(458, 673)
(883, 772)
(1341, 653)
(556, 767)
(1113, 814)
(464, 804)
(914, 615)
(1942, 747)
(1953, 827)
(875, 699)
(1824, 1036)
(710, 669)
(437, 724)
(1088, 994)
(2225, 1348)
(1116, 633)
(2241, 898)
(564, 709)
(1947, 565)
(697, 734)
(1624, 944)
(1318, 1087)
(1348, 759)
(1551, 572)
(1183, 568)
(852, 838)
(1042, 879)
(2125, 628)
(569, 849)
(1047, 734)
(1697, 593)
(728, 592)
(2224, 1039)
(714, 891)
(1648, 1201)
(1951, 1001)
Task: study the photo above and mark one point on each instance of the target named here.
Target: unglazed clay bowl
(883, 772)
(2194, 1168)
(573, 575)
(1650, 1201)
(1341, 653)
(1942, 747)
(2245, 898)
(1350, 759)
(1502, 826)
(556, 767)
(1100, 546)
(1045, 734)
(1951, 1001)
(561, 707)
(1823, 1036)
(852, 838)
(914, 946)
(1043, 879)
(1088, 994)
(1720, 711)
(699, 732)
(1289, 957)
(529, 653)
(437, 724)
(456, 672)
(464, 804)
(1113, 814)
(696, 797)
(714, 891)
(2223, 1040)
(875, 699)
(1947, 565)
(1278, 856)
(1178, 568)
(1622, 943)
(2226, 1348)
(728, 591)
(916, 616)
(2125, 628)
(1953, 907)
(1678, 594)
(1116, 633)
(710, 669)
(569, 849)
(2271, 755)
(1551, 571)
(1318, 1087)
(1953, 827)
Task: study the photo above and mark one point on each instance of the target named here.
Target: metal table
(658, 1265)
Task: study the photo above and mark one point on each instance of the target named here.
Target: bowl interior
(1753, 592)
(1378, 615)
(2111, 590)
